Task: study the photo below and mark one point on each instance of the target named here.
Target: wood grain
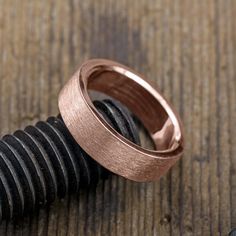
(188, 48)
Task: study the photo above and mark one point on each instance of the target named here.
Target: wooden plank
(188, 48)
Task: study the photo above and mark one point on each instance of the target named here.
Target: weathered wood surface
(188, 48)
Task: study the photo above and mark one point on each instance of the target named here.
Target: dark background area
(188, 48)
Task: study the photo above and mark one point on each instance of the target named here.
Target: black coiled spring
(44, 161)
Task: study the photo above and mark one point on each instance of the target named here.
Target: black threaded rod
(44, 161)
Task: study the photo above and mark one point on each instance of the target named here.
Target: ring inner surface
(140, 98)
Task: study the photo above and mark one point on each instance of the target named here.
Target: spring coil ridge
(43, 162)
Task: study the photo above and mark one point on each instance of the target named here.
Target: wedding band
(101, 141)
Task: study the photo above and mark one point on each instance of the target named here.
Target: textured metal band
(103, 143)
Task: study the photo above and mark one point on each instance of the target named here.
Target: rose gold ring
(101, 141)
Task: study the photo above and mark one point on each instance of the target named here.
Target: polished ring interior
(102, 142)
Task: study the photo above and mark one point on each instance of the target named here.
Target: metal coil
(43, 162)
